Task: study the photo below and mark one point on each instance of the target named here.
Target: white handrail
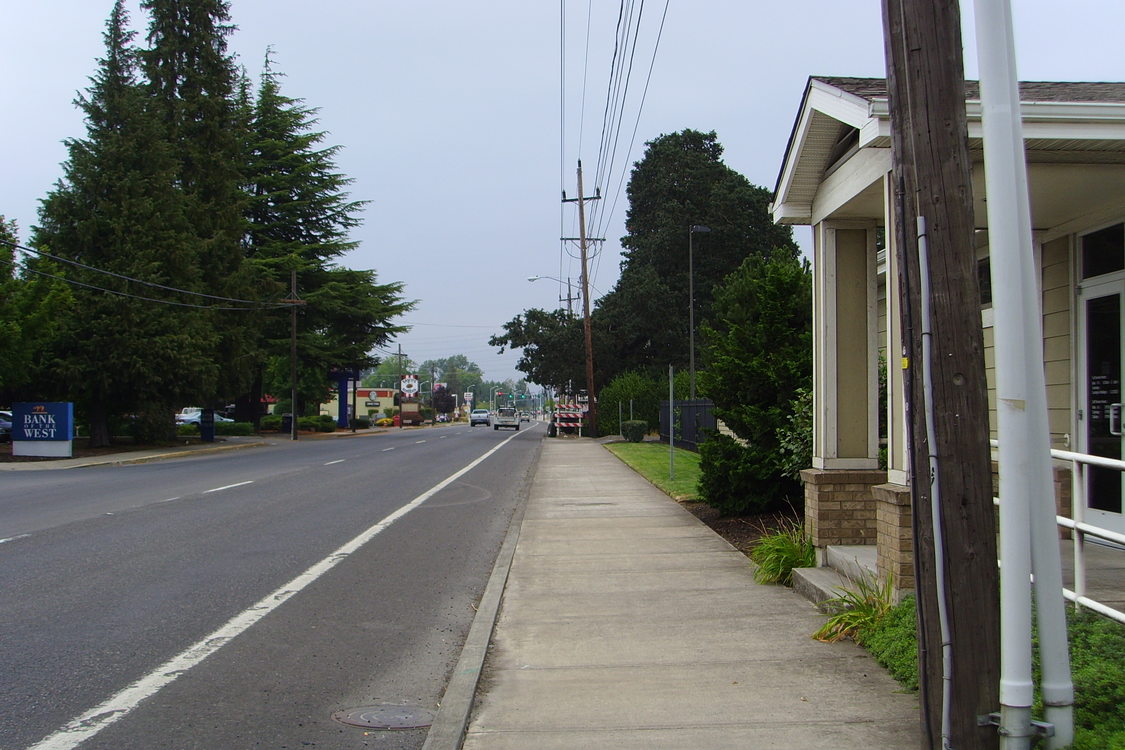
(1082, 528)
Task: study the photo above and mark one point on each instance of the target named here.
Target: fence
(694, 420)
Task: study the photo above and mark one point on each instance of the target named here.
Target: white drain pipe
(1026, 503)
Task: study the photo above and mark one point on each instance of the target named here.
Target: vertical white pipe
(935, 486)
(1024, 453)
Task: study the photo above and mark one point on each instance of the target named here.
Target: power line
(74, 282)
(257, 303)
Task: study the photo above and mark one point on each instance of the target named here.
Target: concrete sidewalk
(627, 623)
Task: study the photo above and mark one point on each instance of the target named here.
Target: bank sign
(43, 429)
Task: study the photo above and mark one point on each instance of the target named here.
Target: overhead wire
(75, 282)
(255, 304)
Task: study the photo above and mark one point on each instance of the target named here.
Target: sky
(463, 122)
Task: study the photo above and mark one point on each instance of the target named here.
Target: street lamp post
(691, 304)
(569, 296)
(492, 390)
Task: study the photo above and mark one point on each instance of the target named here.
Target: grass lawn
(651, 461)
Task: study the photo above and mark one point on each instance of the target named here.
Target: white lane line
(337, 461)
(387, 449)
(83, 727)
(14, 538)
(419, 442)
(229, 486)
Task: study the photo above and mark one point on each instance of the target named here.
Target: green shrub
(893, 641)
(234, 428)
(634, 430)
(737, 480)
(325, 418)
(1097, 665)
(309, 424)
(270, 422)
(777, 554)
(857, 610)
(323, 426)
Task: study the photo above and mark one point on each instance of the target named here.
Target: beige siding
(851, 344)
(990, 375)
(1058, 322)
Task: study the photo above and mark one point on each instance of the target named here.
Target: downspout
(1027, 530)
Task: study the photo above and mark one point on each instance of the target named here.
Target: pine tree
(193, 85)
(300, 216)
(118, 208)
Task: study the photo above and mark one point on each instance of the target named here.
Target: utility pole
(293, 301)
(954, 520)
(587, 336)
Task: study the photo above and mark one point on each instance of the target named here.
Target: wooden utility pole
(587, 335)
(932, 174)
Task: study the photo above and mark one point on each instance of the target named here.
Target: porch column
(894, 537)
(838, 504)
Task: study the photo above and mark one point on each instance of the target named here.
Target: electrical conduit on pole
(1027, 530)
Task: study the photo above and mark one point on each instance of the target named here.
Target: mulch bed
(740, 531)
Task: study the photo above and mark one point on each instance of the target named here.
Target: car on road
(506, 416)
(479, 416)
(525, 417)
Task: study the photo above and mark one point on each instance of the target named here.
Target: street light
(569, 297)
(691, 304)
(492, 390)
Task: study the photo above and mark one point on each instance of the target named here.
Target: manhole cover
(386, 716)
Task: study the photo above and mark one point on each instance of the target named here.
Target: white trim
(858, 173)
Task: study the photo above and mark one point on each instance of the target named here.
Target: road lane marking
(229, 486)
(83, 727)
(337, 461)
(14, 538)
(419, 442)
(387, 449)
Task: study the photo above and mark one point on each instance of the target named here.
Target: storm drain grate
(386, 716)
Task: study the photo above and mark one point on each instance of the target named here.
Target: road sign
(409, 385)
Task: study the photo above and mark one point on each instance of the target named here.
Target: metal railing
(1081, 528)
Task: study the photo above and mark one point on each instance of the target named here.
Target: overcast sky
(456, 124)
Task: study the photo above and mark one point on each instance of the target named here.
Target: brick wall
(839, 507)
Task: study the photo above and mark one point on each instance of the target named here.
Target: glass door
(1100, 417)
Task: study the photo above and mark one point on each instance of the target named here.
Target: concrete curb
(448, 729)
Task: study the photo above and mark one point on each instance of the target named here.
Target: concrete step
(853, 561)
(819, 586)
(844, 564)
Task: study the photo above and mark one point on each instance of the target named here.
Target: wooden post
(932, 172)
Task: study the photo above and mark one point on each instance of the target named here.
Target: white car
(478, 416)
(193, 416)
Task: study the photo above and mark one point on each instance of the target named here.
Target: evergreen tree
(760, 360)
(193, 85)
(680, 182)
(300, 215)
(118, 208)
(33, 307)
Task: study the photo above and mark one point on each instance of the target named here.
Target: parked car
(193, 416)
(478, 416)
(5, 426)
(506, 416)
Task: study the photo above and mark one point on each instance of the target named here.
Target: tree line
(752, 296)
(160, 273)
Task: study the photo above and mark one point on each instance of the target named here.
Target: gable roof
(1072, 122)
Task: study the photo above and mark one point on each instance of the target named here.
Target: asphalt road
(108, 573)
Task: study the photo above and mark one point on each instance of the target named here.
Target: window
(1103, 251)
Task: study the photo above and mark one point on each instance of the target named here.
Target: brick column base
(895, 536)
(839, 508)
